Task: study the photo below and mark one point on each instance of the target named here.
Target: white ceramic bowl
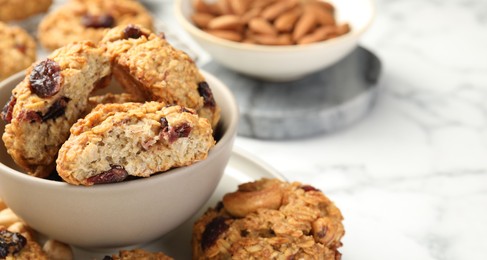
(119, 214)
(282, 63)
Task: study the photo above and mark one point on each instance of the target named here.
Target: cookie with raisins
(270, 219)
(15, 246)
(149, 67)
(15, 10)
(79, 20)
(119, 141)
(52, 96)
(17, 50)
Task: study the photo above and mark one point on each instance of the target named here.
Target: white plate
(241, 168)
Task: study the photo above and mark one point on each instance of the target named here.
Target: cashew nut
(249, 197)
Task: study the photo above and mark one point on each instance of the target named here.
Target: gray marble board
(323, 102)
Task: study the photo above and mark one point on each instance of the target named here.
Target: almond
(342, 29)
(201, 7)
(224, 22)
(320, 34)
(239, 6)
(323, 16)
(226, 34)
(286, 21)
(254, 12)
(202, 19)
(261, 3)
(305, 24)
(225, 7)
(262, 26)
(265, 39)
(273, 11)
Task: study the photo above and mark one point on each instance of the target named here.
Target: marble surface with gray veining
(411, 177)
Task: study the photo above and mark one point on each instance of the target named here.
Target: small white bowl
(283, 63)
(119, 214)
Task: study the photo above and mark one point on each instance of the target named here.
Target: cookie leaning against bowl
(79, 20)
(20, 9)
(147, 66)
(116, 141)
(48, 102)
(270, 219)
(17, 50)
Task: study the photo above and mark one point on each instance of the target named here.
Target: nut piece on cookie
(79, 20)
(17, 50)
(147, 66)
(270, 219)
(21, 9)
(116, 141)
(138, 254)
(51, 98)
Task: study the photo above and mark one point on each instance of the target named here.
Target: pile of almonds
(269, 22)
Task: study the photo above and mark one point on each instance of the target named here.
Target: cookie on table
(17, 50)
(50, 99)
(79, 20)
(147, 66)
(16, 239)
(116, 141)
(15, 246)
(20, 9)
(136, 254)
(270, 219)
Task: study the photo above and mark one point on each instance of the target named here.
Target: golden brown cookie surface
(20, 9)
(52, 96)
(270, 219)
(147, 66)
(79, 20)
(116, 141)
(17, 50)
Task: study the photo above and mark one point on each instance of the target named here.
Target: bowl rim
(189, 26)
(219, 147)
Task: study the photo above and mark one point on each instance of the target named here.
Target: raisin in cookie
(17, 50)
(146, 65)
(88, 19)
(270, 219)
(43, 107)
(20, 9)
(116, 141)
(136, 254)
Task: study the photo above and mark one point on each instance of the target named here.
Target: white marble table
(410, 178)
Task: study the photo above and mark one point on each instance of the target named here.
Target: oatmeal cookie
(88, 19)
(53, 95)
(15, 246)
(20, 9)
(146, 65)
(116, 141)
(136, 254)
(17, 50)
(270, 219)
(16, 239)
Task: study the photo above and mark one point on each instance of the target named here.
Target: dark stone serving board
(322, 102)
